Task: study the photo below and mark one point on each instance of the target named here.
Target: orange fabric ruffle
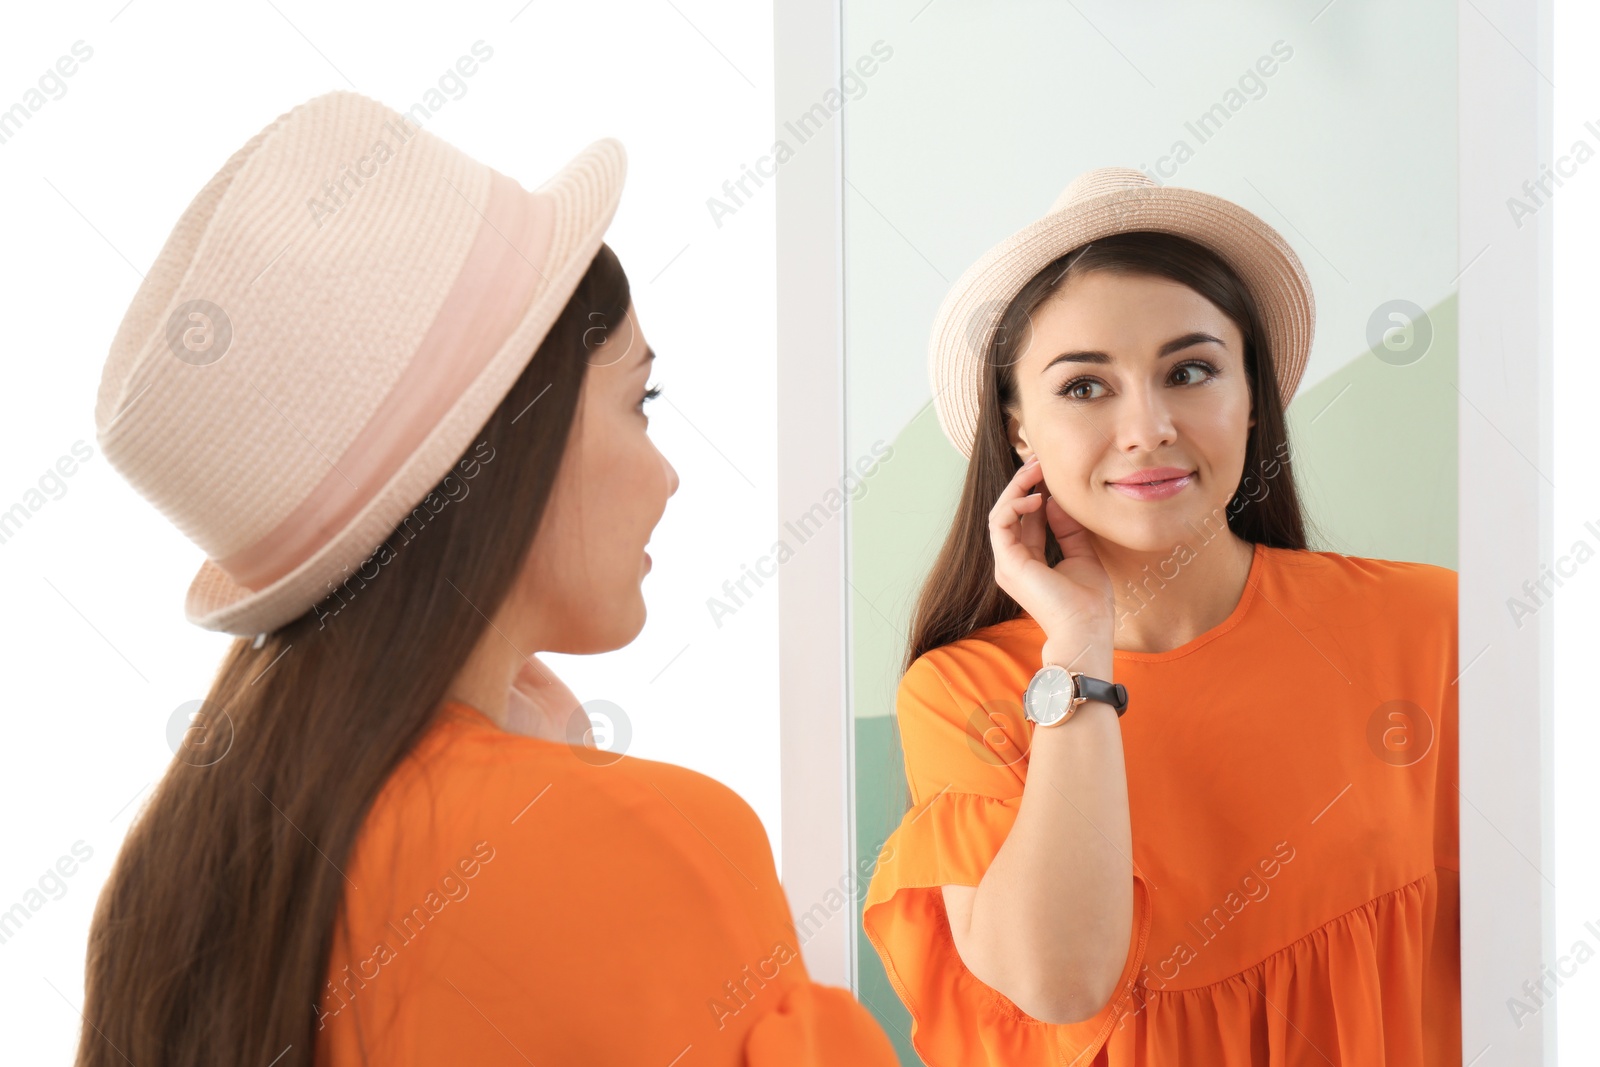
(1360, 989)
(817, 1026)
(951, 839)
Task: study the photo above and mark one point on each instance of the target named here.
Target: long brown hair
(211, 939)
(960, 596)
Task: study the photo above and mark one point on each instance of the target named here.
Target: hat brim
(1264, 261)
(587, 191)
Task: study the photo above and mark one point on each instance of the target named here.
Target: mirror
(964, 123)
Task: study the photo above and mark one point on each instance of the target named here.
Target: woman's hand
(1071, 601)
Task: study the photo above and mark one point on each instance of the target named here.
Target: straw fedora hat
(330, 323)
(1096, 204)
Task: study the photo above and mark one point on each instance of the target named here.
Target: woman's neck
(1166, 599)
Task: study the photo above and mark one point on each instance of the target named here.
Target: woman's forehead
(1122, 321)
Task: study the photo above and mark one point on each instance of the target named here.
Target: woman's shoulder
(1327, 577)
(467, 776)
(588, 870)
(963, 685)
(997, 651)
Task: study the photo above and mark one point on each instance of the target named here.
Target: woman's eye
(649, 395)
(1070, 389)
(1196, 364)
(1182, 375)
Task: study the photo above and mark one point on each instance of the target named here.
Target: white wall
(1576, 873)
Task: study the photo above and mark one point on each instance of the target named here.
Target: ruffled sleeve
(966, 776)
(818, 1026)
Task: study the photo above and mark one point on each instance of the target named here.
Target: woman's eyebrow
(1177, 344)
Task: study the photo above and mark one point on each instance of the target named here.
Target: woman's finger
(1061, 524)
(1017, 526)
(1031, 523)
(1015, 518)
(1006, 508)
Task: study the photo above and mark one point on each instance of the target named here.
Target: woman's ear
(1018, 438)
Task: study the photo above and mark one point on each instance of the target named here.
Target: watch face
(1049, 697)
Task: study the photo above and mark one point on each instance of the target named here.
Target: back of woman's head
(212, 936)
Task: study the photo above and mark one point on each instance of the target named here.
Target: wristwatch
(1055, 693)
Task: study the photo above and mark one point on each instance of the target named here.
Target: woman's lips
(1160, 490)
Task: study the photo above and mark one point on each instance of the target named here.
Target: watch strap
(1113, 693)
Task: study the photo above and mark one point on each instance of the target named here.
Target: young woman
(1182, 789)
(410, 433)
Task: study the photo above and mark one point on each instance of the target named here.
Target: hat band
(495, 286)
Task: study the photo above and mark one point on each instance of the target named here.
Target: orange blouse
(515, 900)
(1292, 791)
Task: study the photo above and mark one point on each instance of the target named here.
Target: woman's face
(588, 559)
(1123, 373)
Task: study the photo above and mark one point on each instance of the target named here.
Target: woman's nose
(1143, 422)
(672, 474)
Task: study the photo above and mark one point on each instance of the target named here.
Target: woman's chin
(629, 622)
(616, 629)
(1157, 534)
